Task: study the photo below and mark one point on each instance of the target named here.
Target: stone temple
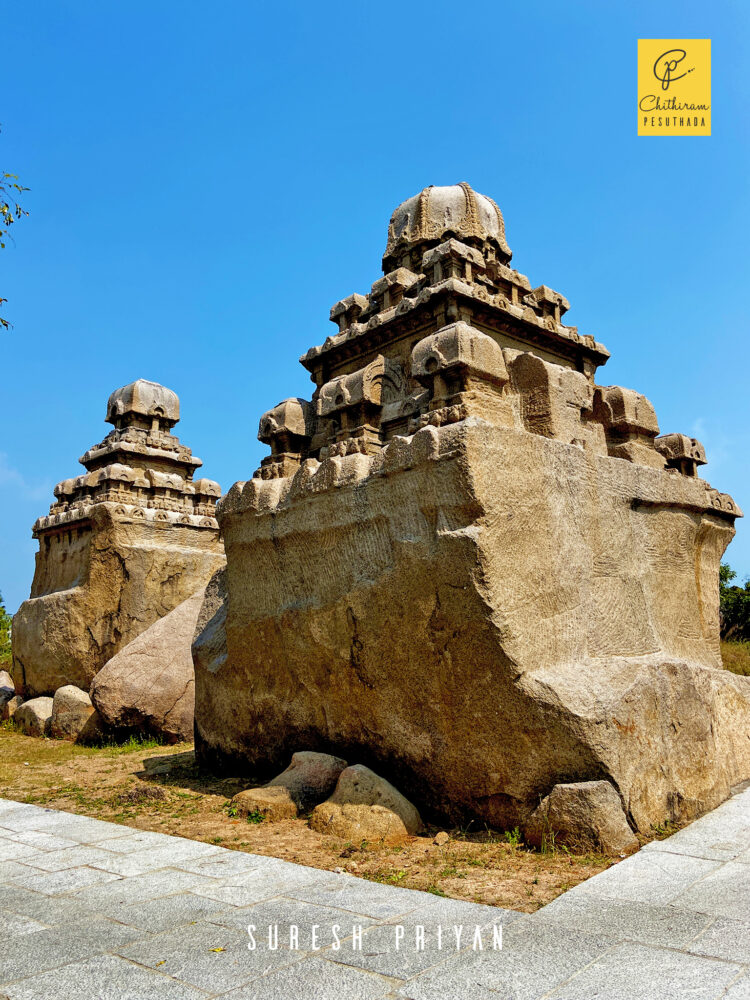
(122, 546)
(466, 563)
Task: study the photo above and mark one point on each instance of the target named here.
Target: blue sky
(207, 179)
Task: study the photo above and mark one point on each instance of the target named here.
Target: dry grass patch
(161, 788)
(736, 657)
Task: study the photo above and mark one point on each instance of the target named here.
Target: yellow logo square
(674, 86)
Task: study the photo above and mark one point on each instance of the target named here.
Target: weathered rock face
(7, 689)
(584, 815)
(365, 806)
(273, 803)
(73, 716)
(310, 778)
(33, 717)
(123, 545)
(149, 684)
(210, 640)
(10, 707)
(467, 564)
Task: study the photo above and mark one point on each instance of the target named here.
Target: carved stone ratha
(468, 564)
(123, 545)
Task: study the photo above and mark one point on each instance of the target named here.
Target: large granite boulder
(467, 564)
(365, 806)
(583, 815)
(123, 545)
(33, 717)
(149, 685)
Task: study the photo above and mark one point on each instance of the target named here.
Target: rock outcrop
(148, 686)
(584, 815)
(122, 546)
(365, 806)
(33, 717)
(467, 564)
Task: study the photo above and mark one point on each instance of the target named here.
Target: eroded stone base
(479, 613)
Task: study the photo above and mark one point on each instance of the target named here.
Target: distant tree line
(734, 607)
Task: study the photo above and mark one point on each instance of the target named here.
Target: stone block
(34, 953)
(648, 877)
(530, 964)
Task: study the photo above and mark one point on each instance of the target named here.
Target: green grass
(513, 837)
(110, 745)
(436, 891)
(133, 742)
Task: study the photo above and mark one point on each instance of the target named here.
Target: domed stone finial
(145, 399)
(435, 213)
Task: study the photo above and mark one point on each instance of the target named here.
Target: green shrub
(734, 607)
(5, 622)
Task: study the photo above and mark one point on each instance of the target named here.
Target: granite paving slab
(90, 909)
(208, 956)
(315, 979)
(168, 912)
(722, 893)
(13, 924)
(727, 939)
(625, 920)
(105, 977)
(739, 990)
(532, 962)
(635, 970)
(317, 927)
(60, 945)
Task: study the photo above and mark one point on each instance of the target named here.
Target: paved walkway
(97, 911)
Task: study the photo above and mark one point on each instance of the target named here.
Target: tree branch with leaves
(734, 606)
(11, 212)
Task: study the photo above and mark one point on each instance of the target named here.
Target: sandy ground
(161, 788)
